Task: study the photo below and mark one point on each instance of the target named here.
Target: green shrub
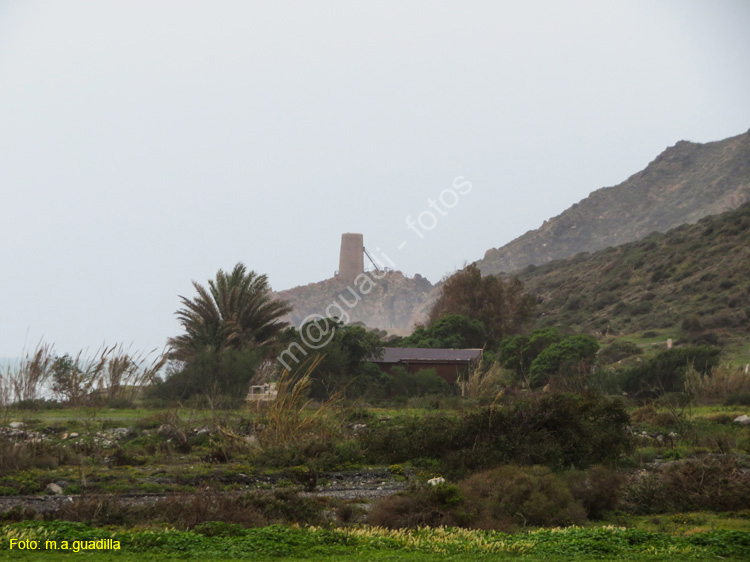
(400, 382)
(556, 430)
(605, 300)
(640, 308)
(452, 331)
(38, 404)
(226, 374)
(531, 495)
(737, 400)
(572, 353)
(574, 303)
(398, 441)
(318, 454)
(665, 372)
(597, 489)
(708, 338)
(429, 506)
(518, 352)
(219, 529)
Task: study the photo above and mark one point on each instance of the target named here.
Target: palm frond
(235, 310)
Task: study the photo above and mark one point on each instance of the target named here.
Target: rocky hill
(684, 183)
(395, 303)
(695, 278)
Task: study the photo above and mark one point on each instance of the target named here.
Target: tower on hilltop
(351, 258)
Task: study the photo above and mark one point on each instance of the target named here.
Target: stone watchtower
(351, 258)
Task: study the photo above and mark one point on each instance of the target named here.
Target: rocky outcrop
(389, 301)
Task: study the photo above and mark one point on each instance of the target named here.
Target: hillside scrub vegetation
(693, 278)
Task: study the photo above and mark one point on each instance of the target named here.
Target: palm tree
(236, 311)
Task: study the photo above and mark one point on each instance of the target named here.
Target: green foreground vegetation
(231, 542)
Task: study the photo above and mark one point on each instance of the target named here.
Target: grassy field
(168, 451)
(230, 542)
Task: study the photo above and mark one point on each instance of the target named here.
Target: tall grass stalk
(125, 373)
(485, 382)
(26, 381)
(291, 417)
(723, 382)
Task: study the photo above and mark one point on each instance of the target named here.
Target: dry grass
(485, 382)
(113, 373)
(27, 380)
(188, 511)
(723, 381)
(126, 372)
(292, 417)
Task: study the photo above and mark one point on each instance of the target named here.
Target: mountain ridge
(683, 184)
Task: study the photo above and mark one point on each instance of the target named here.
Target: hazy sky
(145, 144)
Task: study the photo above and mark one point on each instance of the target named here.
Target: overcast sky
(145, 144)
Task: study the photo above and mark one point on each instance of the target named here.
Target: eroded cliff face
(388, 301)
(685, 183)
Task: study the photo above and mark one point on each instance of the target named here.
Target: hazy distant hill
(683, 184)
(694, 276)
(394, 303)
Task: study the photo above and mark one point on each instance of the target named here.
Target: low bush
(555, 430)
(503, 498)
(665, 372)
(397, 441)
(318, 454)
(209, 377)
(597, 489)
(429, 506)
(187, 512)
(38, 404)
(712, 483)
(511, 496)
(99, 511)
(738, 400)
(720, 418)
(400, 382)
(707, 338)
